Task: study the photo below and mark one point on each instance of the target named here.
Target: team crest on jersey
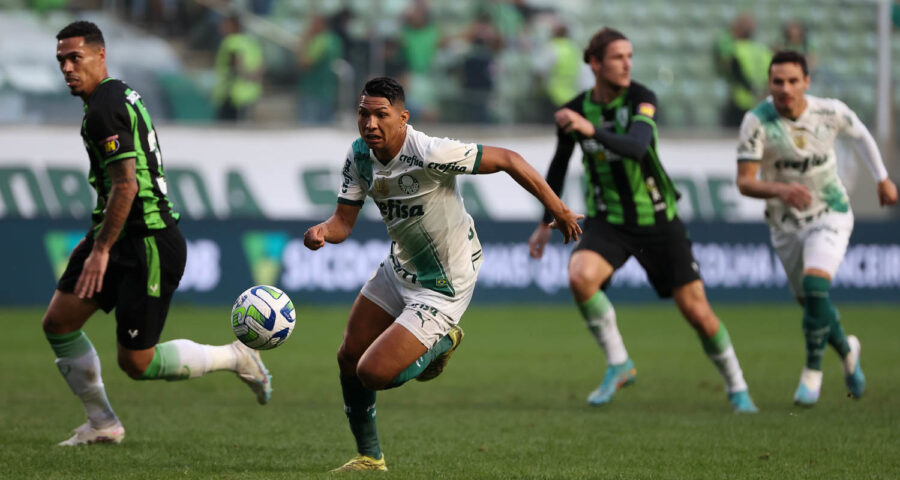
(408, 184)
(110, 145)
(622, 116)
(381, 186)
(800, 140)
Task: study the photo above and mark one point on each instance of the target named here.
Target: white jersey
(801, 151)
(434, 241)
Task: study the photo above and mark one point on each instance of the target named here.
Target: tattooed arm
(123, 176)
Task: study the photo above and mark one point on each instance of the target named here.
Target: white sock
(183, 358)
(82, 374)
(606, 332)
(730, 369)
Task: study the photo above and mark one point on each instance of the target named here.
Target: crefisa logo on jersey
(392, 209)
(408, 184)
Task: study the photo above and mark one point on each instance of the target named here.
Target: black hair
(790, 56)
(597, 46)
(385, 87)
(81, 28)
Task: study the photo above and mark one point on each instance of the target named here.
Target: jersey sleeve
(352, 191)
(452, 157)
(108, 126)
(644, 106)
(848, 123)
(861, 140)
(750, 140)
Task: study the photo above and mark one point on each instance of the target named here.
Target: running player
(133, 256)
(404, 323)
(631, 211)
(788, 140)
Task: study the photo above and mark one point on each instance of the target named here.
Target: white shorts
(429, 315)
(821, 244)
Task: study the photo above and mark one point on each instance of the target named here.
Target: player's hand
(887, 192)
(314, 238)
(91, 279)
(570, 121)
(567, 224)
(539, 240)
(795, 195)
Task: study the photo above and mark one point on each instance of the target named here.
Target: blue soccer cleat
(853, 374)
(808, 389)
(617, 376)
(741, 402)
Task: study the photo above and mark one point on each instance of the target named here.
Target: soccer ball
(263, 317)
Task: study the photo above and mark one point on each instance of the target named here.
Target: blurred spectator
(507, 18)
(419, 40)
(743, 63)
(794, 36)
(565, 65)
(319, 48)
(478, 69)
(239, 68)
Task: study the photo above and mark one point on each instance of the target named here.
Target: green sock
(718, 343)
(166, 364)
(69, 345)
(837, 338)
(417, 367)
(818, 317)
(359, 406)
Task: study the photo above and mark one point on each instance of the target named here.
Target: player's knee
(347, 360)
(579, 279)
(371, 377)
(132, 367)
(55, 324)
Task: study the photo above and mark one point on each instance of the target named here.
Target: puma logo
(133, 333)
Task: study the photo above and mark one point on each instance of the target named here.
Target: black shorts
(663, 250)
(141, 276)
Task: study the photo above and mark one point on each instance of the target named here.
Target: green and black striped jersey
(116, 126)
(619, 189)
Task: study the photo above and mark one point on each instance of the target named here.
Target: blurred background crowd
(465, 61)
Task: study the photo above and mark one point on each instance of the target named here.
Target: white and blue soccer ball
(263, 317)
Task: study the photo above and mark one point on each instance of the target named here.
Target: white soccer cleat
(252, 371)
(808, 389)
(88, 435)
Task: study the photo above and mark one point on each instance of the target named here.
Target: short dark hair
(597, 46)
(790, 56)
(81, 28)
(385, 87)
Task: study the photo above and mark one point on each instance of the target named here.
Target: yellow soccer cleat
(362, 463)
(437, 365)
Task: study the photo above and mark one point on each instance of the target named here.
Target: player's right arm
(334, 230)
(750, 150)
(350, 200)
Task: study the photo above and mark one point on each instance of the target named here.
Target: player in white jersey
(404, 323)
(789, 140)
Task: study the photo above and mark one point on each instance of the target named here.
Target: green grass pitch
(511, 404)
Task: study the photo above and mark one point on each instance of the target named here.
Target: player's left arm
(123, 175)
(495, 159)
(865, 147)
(633, 143)
(108, 125)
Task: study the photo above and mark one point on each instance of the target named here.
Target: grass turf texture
(511, 404)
